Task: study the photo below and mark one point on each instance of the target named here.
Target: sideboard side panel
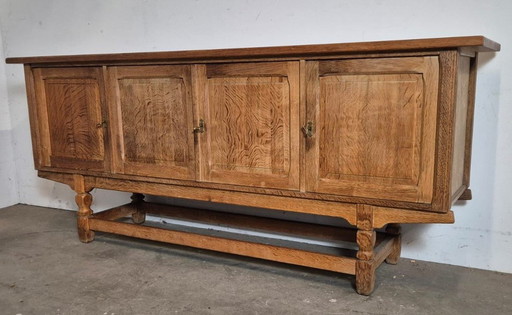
(33, 115)
(445, 132)
(461, 121)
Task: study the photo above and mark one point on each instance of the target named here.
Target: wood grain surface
(375, 127)
(376, 133)
(83, 199)
(469, 43)
(69, 108)
(256, 250)
(448, 62)
(461, 120)
(251, 113)
(153, 115)
(396, 230)
(366, 238)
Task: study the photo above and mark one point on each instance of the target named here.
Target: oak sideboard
(375, 133)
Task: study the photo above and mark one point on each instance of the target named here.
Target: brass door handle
(201, 128)
(308, 129)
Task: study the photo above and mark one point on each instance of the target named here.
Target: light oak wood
(255, 190)
(152, 121)
(461, 120)
(346, 211)
(383, 111)
(250, 222)
(269, 252)
(381, 247)
(115, 213)
(471, 43)
(344, 56)
(396, 244)
(383, 216)
(325, 208)
(83, 200)
(366, 239)
(303, 122)
(445, 132)
(35, 131)
(385, 250)
(466, 195)
(70, 117)
(376, 133)
(251, 115)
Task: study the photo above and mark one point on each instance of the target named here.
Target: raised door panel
(252, 127)
(375, 125)
(70, 118)
(152, 110)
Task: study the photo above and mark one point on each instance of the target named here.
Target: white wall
(482, 235)
(8, 185)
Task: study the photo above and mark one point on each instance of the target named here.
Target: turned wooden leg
(366, 238)
(83, 200)
(139, 216)
(365, 266)
(394, 229)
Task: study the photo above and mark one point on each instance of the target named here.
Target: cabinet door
(374, 127)
(152, 112)
(69, 117)
(252, 126)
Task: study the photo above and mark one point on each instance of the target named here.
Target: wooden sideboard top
(472, 43)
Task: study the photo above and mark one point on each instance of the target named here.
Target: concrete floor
(44, 269)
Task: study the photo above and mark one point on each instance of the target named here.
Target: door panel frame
(428, 67)
(290, 70)
(40, 75)
(120, 165)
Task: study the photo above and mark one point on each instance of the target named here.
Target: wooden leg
(394, 229)
(366, 238)
(365, 266)
(84, 200)
(139, 216)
